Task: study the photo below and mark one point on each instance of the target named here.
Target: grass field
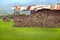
(8, 32)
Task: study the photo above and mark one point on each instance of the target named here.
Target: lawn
(9, 32)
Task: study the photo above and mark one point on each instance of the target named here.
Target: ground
(9, 32)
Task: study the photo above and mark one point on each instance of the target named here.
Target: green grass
(8, 32)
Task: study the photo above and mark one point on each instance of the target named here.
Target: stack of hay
(41, 18)
(6, 19)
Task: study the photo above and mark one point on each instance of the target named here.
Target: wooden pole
(14, 12)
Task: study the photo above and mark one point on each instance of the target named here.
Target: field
(9, 32)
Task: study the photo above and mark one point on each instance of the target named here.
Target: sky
(4, 2)
(6, 5)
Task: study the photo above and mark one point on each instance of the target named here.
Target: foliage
(10, 16)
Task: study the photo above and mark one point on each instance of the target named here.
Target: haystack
(6, 19)
(41, 18)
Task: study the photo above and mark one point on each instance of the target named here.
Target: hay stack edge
(40, 16)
